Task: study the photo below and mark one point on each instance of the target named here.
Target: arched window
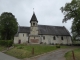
(54, 38)
(44, 37)
(61, 37)
(33, 24)
(23, 35)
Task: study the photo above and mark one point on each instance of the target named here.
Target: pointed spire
(33, 17)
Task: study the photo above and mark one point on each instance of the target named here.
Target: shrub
(20, 47)
(6, 43)
(57, 45)
(41, 42)
(52, 43)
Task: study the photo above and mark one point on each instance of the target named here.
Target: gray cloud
(47, 11)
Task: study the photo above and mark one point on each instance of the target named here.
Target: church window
(54, 38)
(33, 24)
(61, 37)
(44, 37)
(23, 35)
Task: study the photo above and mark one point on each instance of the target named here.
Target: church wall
(66, 40)
(58, 40)
(69, 40)
(50, 40)
(34, 40)
(34, 31)
(47, 39)
(23, 37)
(15, 40)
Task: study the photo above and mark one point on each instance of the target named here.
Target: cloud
(47, 11)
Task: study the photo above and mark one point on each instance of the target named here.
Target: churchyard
(25, 51)
(69, 55)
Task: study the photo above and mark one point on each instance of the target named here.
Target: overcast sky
(47, 11)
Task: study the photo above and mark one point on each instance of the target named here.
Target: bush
(6, 43)
(20, 47)
(52, 44)
(57, 45)
(41, 42)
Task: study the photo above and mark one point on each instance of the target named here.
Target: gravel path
(6, 57)
(55, 55)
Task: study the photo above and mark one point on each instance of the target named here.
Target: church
(42, 34)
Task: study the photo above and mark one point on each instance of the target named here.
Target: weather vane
(33, 10)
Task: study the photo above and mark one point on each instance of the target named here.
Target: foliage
(2, 48)
(68, 55)
(57, 45)
(6, 43)
(8, 26)
(72, 11)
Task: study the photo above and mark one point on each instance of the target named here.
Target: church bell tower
(33, 25)
(34, 37)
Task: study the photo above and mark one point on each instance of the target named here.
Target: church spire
(33, 18)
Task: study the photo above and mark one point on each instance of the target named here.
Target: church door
(19, 42)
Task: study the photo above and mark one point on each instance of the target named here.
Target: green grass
(24, 51)
(2, 48)
(68, 55)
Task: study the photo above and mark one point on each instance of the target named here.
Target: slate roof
(53, 30)
(47, 30)
(23, 29)
(33, 18)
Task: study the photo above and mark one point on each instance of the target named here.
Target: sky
(47, 11)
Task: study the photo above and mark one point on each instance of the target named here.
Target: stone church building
(42, 34)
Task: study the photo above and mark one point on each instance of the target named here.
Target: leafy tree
(8, 26)
(72, 11)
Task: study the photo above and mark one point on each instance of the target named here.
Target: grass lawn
(2, 48)
(68, 55)
(24, 51)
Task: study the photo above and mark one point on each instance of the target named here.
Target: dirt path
(56, 55)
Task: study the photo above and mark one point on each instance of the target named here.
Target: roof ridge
(50, 25)
(23, 26)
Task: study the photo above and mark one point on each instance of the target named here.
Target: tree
(72, 11)
(8, 26)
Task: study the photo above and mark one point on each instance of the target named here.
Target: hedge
(6, 43)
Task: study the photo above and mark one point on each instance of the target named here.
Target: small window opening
(33, 24)
(54, 38)
(62, 38)
(44, 37)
